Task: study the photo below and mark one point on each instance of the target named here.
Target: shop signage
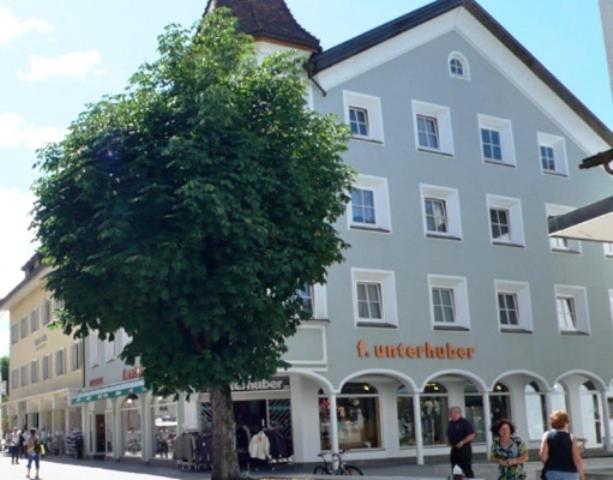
(40, 342)
(132, 373)
(426, 351)
(281, 383)
(94, 382)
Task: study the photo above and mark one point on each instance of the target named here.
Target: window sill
(435, 151)
(367, 139)
(370, 324)
(314, 321)
(555, 174)
(452, 328)
(499, 163)
(442, 236)
(574, 332)
(370, 229)
(515, 330)
(566, 250)
(508, 244)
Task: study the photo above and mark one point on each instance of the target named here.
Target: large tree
(189, 209)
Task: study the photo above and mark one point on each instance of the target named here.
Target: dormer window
(458, 66)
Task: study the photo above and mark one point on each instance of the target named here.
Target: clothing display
(259, 446)
(193, 451)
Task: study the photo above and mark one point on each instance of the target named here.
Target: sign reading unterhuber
(425, 351)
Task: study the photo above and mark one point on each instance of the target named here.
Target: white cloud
(16, 132)
(12, 27)
(74, 64)
(16, 246)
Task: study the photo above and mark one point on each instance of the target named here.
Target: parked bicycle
(327, 466)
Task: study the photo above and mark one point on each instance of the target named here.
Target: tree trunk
(225, 458)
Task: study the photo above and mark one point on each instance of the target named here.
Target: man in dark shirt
(460, 433)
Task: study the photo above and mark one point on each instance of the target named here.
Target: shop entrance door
(100, 434)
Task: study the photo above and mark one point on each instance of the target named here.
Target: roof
(31, 268)
(371, 38)
(269, 19)
(603, 158)
(592, 222)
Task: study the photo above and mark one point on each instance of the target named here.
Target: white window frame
(60, 371)
(517, 235)
(521, 290)
(451, 197)
(442, 114)
(383, 218)
(372, 105)
(459, 286)
(572, 246)
(387, 280)
(505, 128)
(607, 247)
(465, 66)
(579, 295)
(558, 145)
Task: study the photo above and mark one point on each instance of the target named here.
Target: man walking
(460, 433)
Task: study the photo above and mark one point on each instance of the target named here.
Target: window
(363, 115)
(92, 350)
(24, 375)
(506, 220)
(448, 302)
(406, 417)
(608, 249)
(34, 320)
(572, 309)
(552, 154)
(441, 212)
(434, 406)
(458, 66)
(374, 293)
(46, 312)
(358, 120)
(46, 367)
(24, 327)
(363, 206)
(443, 305)
(370, 301)
(109, 350)
(496, 136)
(514, 306)
(60, 365)
(34, 372)
(14, 333)
(14, 379)
(75, 356)
(306, 296)
(560, 244)
(369, 208)
(432, 125)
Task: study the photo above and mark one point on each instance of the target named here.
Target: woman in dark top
(560, 452)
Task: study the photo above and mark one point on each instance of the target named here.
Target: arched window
(164, 428)
(500, 402)
(536, 411)
(458, 66)
(131, 423)
(434, 414)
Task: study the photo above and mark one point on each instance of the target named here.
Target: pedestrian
(21, 445)
(460, 433)
(509, 452)
(560, 451)
(34, 449)
(12, 440)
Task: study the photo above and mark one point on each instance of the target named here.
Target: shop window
(473, 410)
(536, 411)
(434, 414)
(590, 413)
(131, 424)
(500, 402)
(357, 417)
(164, 431)
(406, 418)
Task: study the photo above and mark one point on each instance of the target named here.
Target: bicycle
(328, 465)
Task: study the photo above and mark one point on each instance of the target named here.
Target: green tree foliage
(189, 209)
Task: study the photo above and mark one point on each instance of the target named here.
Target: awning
(592, 222)
(110, 391)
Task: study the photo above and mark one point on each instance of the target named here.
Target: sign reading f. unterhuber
(426, 351)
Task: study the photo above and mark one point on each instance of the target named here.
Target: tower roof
(269, 19)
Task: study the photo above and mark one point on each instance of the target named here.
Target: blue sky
(56, 56)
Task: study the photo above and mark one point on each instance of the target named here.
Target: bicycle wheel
(320, 470)
(351, 470)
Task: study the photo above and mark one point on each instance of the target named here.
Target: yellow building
(46, 366)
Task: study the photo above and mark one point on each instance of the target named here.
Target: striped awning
(109, 391)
